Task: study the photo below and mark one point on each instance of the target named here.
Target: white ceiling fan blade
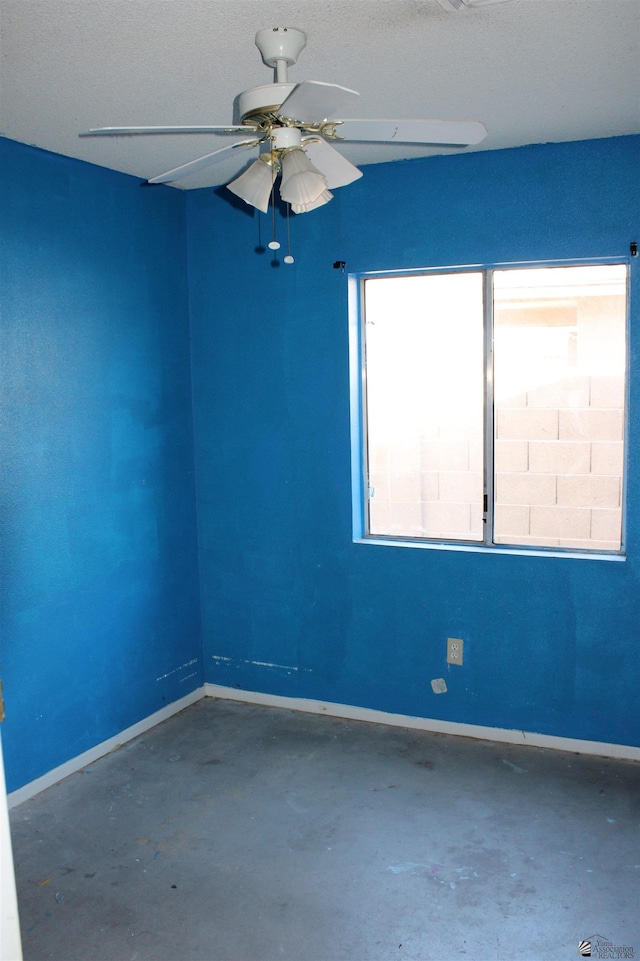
(337, 170)
(312, 101)
(141, 131)
(454, 133)
(194, 165)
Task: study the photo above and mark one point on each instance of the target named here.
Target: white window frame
(359, 466)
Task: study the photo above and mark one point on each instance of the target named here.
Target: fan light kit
(291, 127)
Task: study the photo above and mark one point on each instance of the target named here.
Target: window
(493, 406)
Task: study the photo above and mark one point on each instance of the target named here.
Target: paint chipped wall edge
(190, 663)
(290, 668)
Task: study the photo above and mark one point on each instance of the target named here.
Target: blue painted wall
(99, 615)
(290, 605)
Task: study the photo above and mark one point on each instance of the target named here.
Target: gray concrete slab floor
(233, 832)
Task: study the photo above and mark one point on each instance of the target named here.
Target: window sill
(482, 549)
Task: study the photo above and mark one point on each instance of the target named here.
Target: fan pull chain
(288, 259)
(274, 244)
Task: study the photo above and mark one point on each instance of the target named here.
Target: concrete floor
(240, 833)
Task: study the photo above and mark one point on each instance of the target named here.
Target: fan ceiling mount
(291, 127)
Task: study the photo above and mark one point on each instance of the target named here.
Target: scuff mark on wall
(281, 667)
(176, 669)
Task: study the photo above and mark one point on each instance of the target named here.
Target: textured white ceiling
(532, 70)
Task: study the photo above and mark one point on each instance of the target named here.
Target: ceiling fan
(291, 127)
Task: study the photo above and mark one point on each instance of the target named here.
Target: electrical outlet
(455, 646)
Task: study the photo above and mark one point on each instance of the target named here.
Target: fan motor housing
(262, 100)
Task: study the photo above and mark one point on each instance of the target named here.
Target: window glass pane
(559, 398)
(424, 405)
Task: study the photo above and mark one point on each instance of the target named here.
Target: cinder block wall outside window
(558, 449)
(559, 466)
(559, 444)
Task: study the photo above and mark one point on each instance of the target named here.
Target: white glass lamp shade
(324, 198)
(254, 185)
(301, 182)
